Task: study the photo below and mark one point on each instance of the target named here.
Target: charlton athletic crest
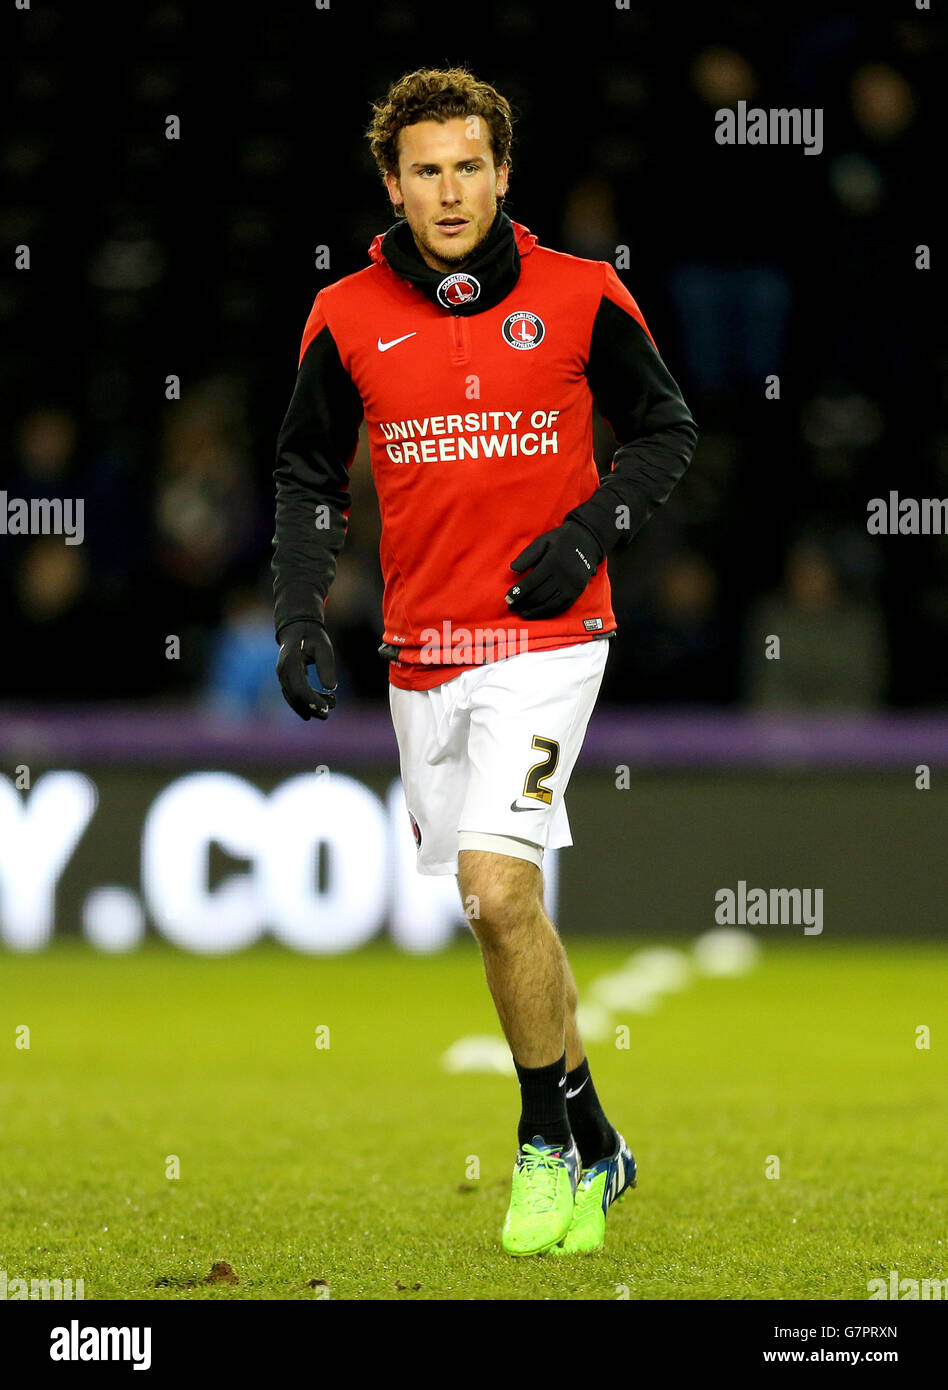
(415, 829)
(523, 330)
(458, 289)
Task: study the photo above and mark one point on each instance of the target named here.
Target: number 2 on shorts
(533, 785)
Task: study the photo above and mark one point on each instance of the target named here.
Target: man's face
(449, 187)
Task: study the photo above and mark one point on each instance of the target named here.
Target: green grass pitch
(349, 1163)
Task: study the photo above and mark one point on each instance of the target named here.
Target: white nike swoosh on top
(570, 1094)
(384, 347)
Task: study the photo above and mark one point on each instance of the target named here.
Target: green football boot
(541, 1197)
(600, 1185)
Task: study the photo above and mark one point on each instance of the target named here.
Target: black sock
(543, 1103)
(594, 1135)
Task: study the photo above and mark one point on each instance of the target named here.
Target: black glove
(307, 644)
(563, 561)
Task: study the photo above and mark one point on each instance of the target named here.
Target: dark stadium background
(195, 257)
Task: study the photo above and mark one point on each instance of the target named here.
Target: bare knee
(500, 893)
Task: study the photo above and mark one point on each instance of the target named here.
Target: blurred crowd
(193, 265)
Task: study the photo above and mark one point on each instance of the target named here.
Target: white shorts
(491, 752)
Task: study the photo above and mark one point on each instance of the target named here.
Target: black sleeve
(315, 447)
(641, 401)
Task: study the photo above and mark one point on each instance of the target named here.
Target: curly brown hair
(437, 94)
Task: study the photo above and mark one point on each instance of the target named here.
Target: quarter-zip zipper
(460, 341)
